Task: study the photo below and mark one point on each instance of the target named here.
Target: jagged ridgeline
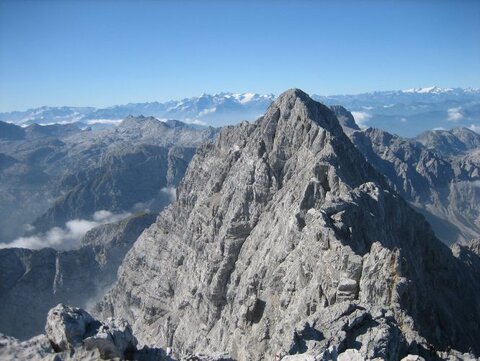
(283, 239)
(52, 174)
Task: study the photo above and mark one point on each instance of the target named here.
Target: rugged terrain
(438, 173)
(33, 281)
(284, 240)
(288, 239)
(52, 174)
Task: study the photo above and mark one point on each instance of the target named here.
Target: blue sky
(110, 52)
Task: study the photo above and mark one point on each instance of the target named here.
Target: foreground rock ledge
(73, 334)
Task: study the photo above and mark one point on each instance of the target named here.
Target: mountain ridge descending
(52, 174)
(450, 142)
(437, 173)
(284, 239)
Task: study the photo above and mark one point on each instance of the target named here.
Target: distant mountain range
(412, 111)
(404, 112)
(52, 174)
(215, 110)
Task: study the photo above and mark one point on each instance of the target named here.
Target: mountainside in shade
(33, 281)
(450, 142)
(130, 178)
(284, 240)
(52, 174)
(439, 174)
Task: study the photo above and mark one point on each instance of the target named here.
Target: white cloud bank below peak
(361, 118)
(454, 114)
(67, 237)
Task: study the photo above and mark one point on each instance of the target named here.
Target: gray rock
(450, 142)
(211, 357)
(444, 189)
(114, 338)
(56, 173)
(350, 355)
(284, 239)
(345, 118)
(73, 334)
(67, 326)
(32, 282)
(37, 348)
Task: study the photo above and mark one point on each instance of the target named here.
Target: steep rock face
(282, 220)
(31, 282)
(440, 183)
(444, 189)
(469, 254)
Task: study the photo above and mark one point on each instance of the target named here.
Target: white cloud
(104, 216)
(454, 114)
(475, 128)
(104, 121)
(195, 121)
(361, 118)
(164, 197)
(207, 111)
(403, 120)
(170, 192)
(439, 128)
(67, 237)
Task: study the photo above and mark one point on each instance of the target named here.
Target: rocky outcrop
(73, 334)
(33, 281)
(69, 327)
(284, 239)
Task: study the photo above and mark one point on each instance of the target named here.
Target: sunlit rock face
(284, 240)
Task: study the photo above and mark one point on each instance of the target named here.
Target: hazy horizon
(230, 92)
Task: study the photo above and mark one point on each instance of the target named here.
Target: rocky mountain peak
(295, 123)
(294, 105)
(279, 226)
